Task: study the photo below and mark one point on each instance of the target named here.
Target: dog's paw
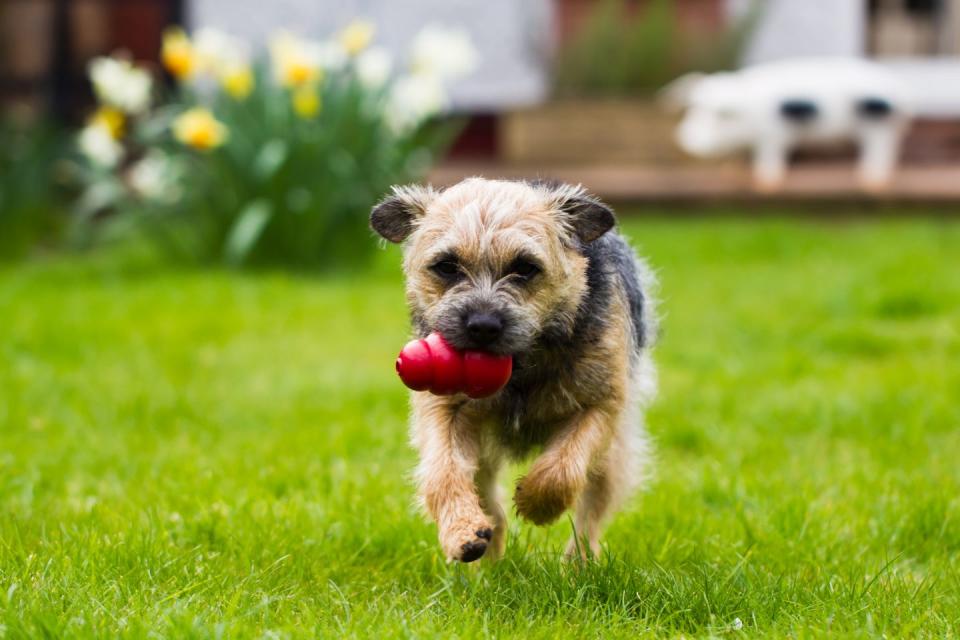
(542, 499)
(467, 543)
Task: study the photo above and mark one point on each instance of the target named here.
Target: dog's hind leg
(612, 477)
(593, 507)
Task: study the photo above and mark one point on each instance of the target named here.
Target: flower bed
(273, 159)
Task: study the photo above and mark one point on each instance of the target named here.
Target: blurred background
(278, 102)
(201, 430)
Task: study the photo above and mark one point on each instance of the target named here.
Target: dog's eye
(524, 268)
(447, 269)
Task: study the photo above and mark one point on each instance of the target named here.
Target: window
(914, 27)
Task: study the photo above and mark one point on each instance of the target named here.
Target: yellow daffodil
(237, 82)
(178, 55)
(198, 128)
(299, 74)
(111, 119)
(356, 36)
(296, 62)
(306, 102)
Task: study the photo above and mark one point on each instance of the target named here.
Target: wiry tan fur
(585, 423)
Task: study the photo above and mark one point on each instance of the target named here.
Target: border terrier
(536, 271)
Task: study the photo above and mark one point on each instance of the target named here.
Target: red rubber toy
(431, 364)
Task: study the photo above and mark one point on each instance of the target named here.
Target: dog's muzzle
(483, 329)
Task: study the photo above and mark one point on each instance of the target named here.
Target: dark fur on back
(555, 357)
(611, 252)
(612, 264)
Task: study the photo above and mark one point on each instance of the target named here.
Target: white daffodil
(226, 58)
(97, 143)
(218, 52)
(412, 99)
(155, 178)
(443, 51)
(329, 53)
(356, 36)
(373, 67)
(120, 84)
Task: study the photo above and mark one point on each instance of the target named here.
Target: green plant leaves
(624, 51)
(31, 198)
(246, 231)
(271, 157)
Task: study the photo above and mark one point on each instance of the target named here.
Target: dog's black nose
(484, 328)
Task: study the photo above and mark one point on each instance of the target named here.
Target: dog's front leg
(449, 451)
(558, 476)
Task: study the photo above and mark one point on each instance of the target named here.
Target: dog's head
(493, 264)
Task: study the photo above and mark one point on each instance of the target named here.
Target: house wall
(513, 36)
(791, 28)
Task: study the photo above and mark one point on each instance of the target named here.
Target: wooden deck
(927, 184)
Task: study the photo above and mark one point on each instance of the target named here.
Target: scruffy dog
(534, 271)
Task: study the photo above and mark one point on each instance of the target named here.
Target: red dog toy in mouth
(433, 365)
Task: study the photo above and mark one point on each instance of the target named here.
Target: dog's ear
(587, 216)
(395, 216)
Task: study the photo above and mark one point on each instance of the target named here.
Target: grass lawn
(210, 454)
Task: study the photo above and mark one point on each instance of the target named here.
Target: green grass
(210, 454)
